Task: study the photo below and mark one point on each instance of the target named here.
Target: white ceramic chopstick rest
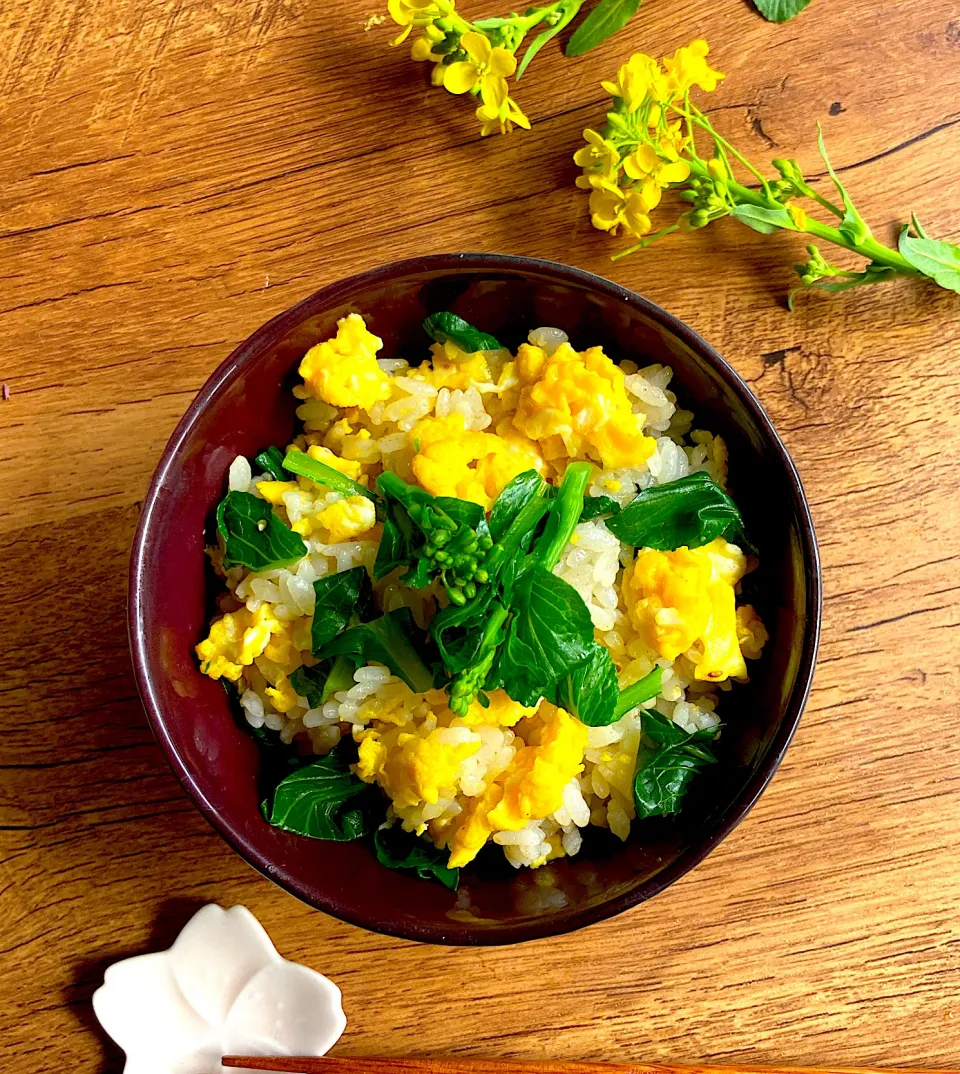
(221, 988)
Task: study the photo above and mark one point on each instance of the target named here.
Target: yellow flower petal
(422, 50)
(477, 47)
(673, 173)
(493, 91)
(460, 77)
(502, 62)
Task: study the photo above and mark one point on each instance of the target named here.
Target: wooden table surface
(174, 173)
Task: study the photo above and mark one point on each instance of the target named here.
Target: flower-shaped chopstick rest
(221, 989)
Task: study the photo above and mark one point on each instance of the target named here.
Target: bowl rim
(271, 332)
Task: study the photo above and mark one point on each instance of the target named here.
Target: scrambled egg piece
(272, 491)
(503, 711)
(533, 784)
(684, 601)
(283, 696)
(343, 371)
(345, 520)
(454, 368)
(235, 641)
(531, 788)
(452, 461)
(413, 767)
(474, 828)
(576, 405)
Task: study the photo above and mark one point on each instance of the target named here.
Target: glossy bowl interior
(247, 404)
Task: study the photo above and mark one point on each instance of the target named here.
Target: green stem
(647, 240)
(701, 120)
(868, 248)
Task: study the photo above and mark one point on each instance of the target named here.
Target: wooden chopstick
(450, 1065)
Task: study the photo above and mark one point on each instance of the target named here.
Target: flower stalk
(648, 145)
(479, 58)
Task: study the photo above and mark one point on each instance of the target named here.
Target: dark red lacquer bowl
(247, 404)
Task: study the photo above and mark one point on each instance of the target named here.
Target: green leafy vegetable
(604, 21)
(340, 596)
(590, 690)
(465, 511)
(564, 514)
(397, 849)
(645, 690)
(271, 462)
(387, 640)
(298, 462)
(550, 633)
(692, 511)
(448, 327)
(325, 800)
(598, 507)
(253, 536)
(472, 672)
(938, 260)
(435, 536)
(516, 495)
(780, 10)
(666, 769)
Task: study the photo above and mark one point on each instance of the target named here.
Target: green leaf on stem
(764, 220)
(780, 10)
(569, 10)
(606, 19)
(845, 281)
(691, 511)
(852, 227)
(938, 260)
(666, 769)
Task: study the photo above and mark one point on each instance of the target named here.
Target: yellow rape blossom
(688, 67)
(487, 68)
(599, 156)
(410, 13)
(501, 118)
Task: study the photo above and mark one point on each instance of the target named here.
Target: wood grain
(331, 1064)
(175, 173)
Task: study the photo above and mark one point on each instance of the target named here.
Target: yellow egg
(454, 368)
(417, 767)
(343, 371)
(576, 404)
(348, 519)
(272, 491)
(684, 602)
(235, 641)
(533, 783)
(282, 696)
(453, 461)
(503, 711)
(474, 828)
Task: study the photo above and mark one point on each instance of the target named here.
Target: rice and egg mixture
(464, 425)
